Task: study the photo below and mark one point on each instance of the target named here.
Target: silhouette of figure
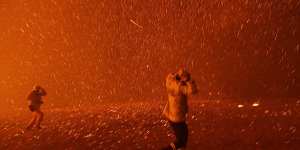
(35, 101)
(178, 87)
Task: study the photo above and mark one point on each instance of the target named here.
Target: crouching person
(35, 101)
(179, 86)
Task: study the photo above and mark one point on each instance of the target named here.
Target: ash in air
(104, 63)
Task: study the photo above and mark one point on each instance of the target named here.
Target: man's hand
(171, 74)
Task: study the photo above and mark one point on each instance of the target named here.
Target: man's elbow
(44, 93)
(29, 97)
(192, 91)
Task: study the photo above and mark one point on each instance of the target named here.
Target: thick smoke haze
(90, 51)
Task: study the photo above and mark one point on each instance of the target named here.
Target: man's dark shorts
(31, 108)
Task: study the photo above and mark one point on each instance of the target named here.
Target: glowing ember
(255, 104)
(136, 24)
(240, 106)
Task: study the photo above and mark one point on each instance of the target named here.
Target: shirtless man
(35, 101)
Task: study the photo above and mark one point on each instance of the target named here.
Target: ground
(213, 124)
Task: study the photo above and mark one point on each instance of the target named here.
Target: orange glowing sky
(91, 51)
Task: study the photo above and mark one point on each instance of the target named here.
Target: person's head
(37, 87)
(183, 75)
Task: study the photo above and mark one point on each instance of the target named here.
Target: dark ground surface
(212, 124)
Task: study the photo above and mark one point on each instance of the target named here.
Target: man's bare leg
(40, 116)
(32, 121)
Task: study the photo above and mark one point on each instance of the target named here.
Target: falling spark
(136, 24)
(255, 104)
(240, 106)
(88, 135)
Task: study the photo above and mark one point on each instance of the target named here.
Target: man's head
(37, 87)
(183, 75)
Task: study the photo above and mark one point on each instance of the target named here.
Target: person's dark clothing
(181, 132)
